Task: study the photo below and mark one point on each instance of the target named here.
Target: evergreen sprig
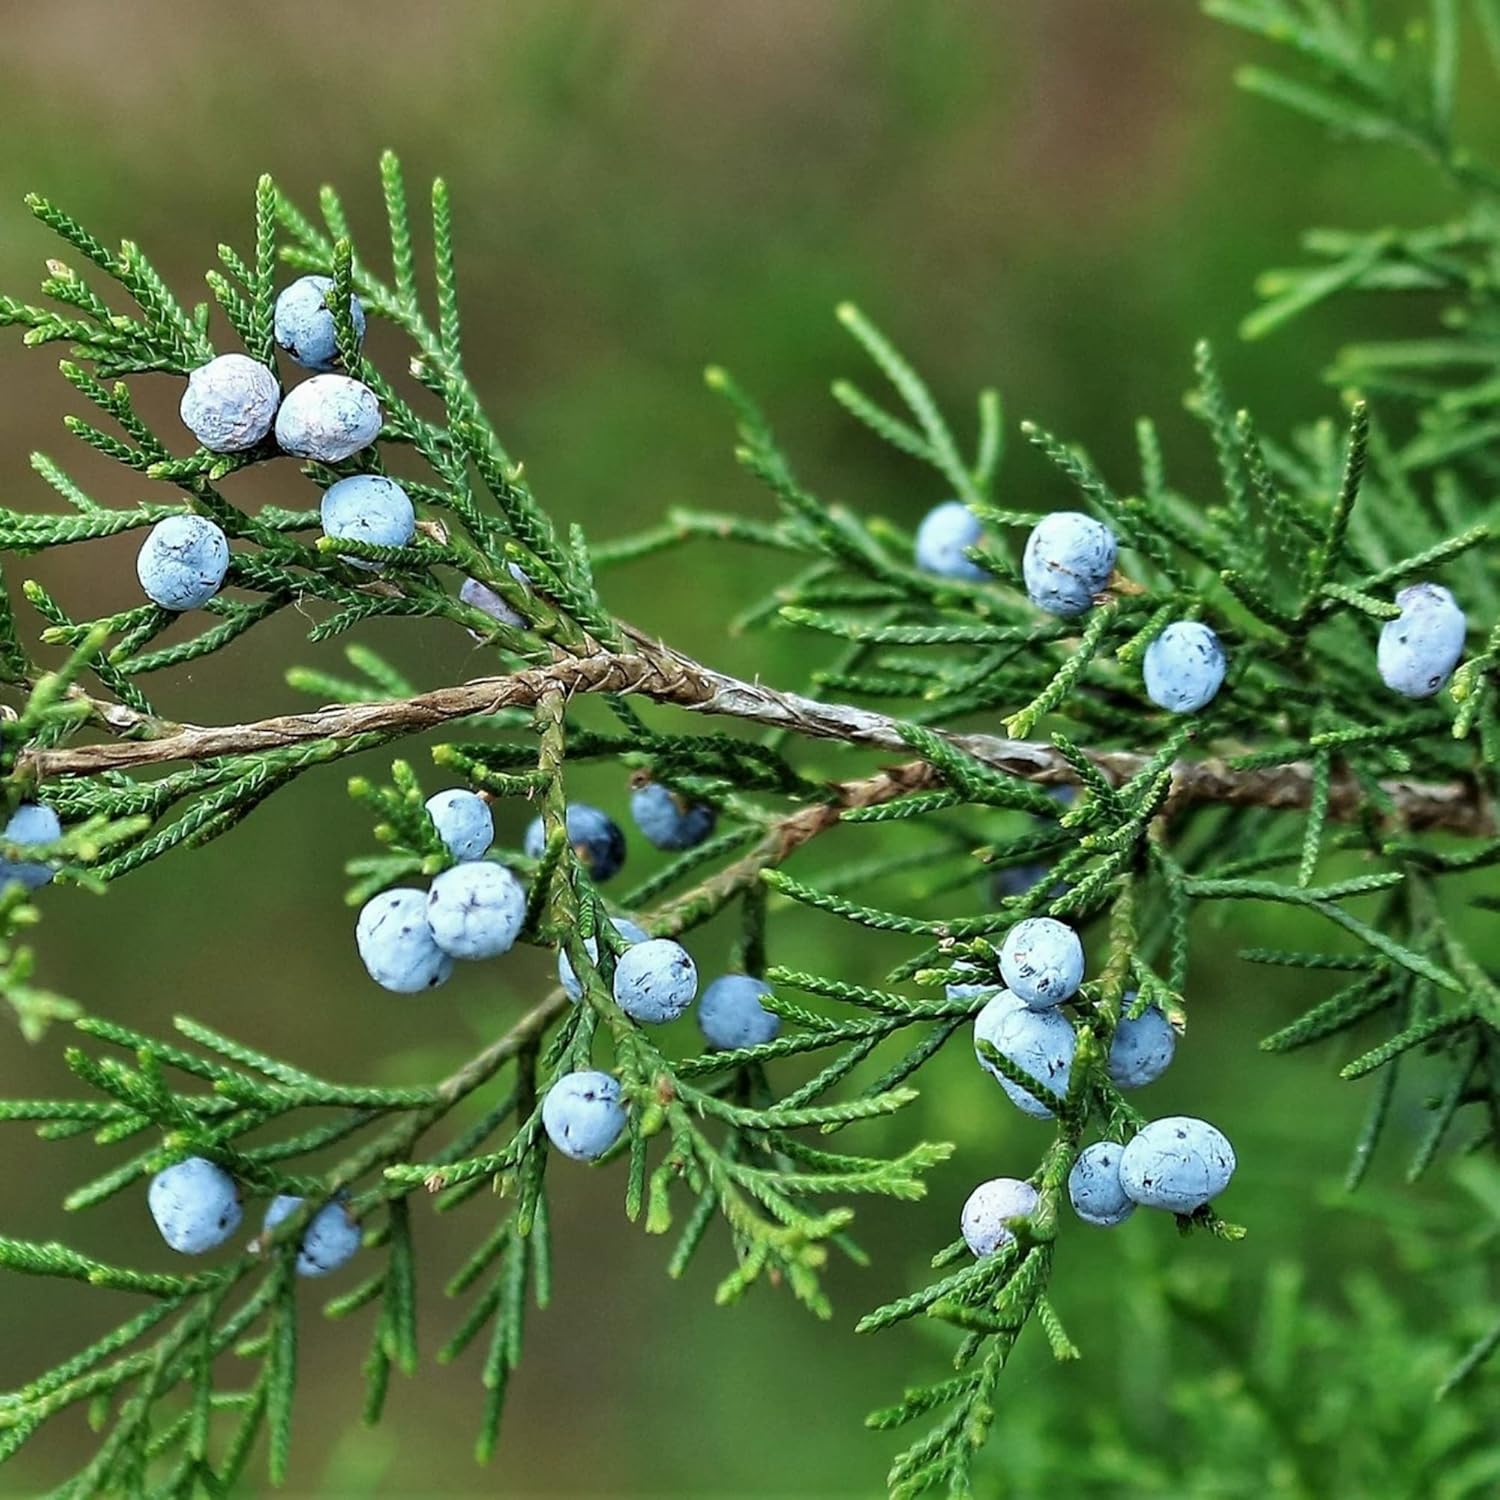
(1304, 783)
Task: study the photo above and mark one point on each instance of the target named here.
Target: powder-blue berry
(1142, 1048)
(464, 822)
(230, 403)
(1420, 648)
(668, 820)
(1042, 961)
(594, 835)
(304, 325)
(1177, 1164)
(182, 563)
(1094, 1186)
(482, 597)
(397, 945)
(565, 975)
(991, 1212)
(368, 508)
(196, 1205)
(328, 418)
(1068, 560)
(476, 910)
(945, 532)
(730, 1014)
(583, 1114)
(655, 981)
(30, 823)
(329, 1239)
(1184, 667)
(1040, 1043)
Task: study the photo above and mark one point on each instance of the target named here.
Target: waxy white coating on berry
(946, 530)
(1177, 1164)
(328, 418)
(1420, 648)
(583, 1114)
(1094, 1186)
(991, 1211)
(1069, 558)
(1040, 1043)
(304, 325)
(1184, 667)
(230, 403)
(655, 981)
(196, 1205)
(730, 1014)
(182, 563)
(397, 945)
(464, 822)
(1142, 1048)
(1042, 961)
(329, 1240)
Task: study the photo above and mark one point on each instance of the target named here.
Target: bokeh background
(1055, 196)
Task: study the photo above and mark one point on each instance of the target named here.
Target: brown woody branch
(652, 670)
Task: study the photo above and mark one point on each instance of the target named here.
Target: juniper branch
(666, 676)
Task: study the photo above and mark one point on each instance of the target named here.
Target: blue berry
(1040, 1043)
(182, 564)
(594, 835)
(669, 821)
(1094, 1186)
(230, 403)
(569, 980)
(482, 597)
(1420, 648)
(368, 508)
(1042, 961)
(730, 1013)
(476, 910)
(304, 325)
(1068, 559)
(583, 1114)
(945, 532)
(463, 821)
(1142, 1048)
(655, 981)
(30, 823)
(990, 1211)
(1184, 667)
(329, 1239)
(397, 945)
(328, 418)
(1177, 1164)
(196, 1205)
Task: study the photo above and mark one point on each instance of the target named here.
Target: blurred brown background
(1056, 196)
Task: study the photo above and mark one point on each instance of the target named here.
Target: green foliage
(1305, 784)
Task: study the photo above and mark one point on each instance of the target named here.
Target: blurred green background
(1055, 196)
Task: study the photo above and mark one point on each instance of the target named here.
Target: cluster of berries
(655, 982)
(232, 404)
(1068, 562)
(1070, 558)
(1176, 1164)
(409, 939)
(655, 979)
(196, 1205)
